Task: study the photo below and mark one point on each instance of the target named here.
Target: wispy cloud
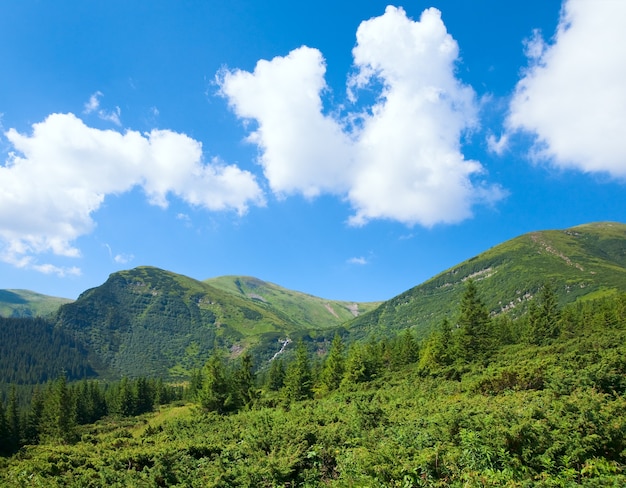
(93, 105)
(358, 260)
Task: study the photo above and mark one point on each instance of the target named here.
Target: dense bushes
(523, 412)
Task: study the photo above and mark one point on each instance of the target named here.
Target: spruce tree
(245, 382)
(473, 338)
(215, 391)
(298, 378)
(4, 431)
(276, 375)
(334, 365)
(544, 317)
(13, 421)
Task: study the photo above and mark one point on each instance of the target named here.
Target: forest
(484, 400)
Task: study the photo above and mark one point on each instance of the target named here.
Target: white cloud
(399, 159)
(93, 105)
(572, 97)
(358, 260)
(57, 177)
(303, 151)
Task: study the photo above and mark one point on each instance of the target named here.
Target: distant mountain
(25, 303)
(148, 321)
(582, 262)
(151, 321)
(304, 310)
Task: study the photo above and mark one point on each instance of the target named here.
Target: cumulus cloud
(572, 95)
(399, 159)
(58, 176)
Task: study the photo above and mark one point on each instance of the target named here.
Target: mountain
(151, 321)
(25, 303)
(305, 310)
(148, 321)
(582, 262)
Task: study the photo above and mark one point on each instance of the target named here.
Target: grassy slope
(305, 310)
(584, 261)
(25, 303)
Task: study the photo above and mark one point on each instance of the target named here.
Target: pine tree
(13, 421)
(32, 427)
(437, 350)
(245, 382)
(276, 375)
(298, 378)
(144, 395)
(473, 338)
(59, 419)
(334, 365)
(215, 391)
(4, 431)
(406, 349)
(126, 399)
(544, 317)
(357, 369)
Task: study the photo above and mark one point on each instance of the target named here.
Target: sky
(350, 150)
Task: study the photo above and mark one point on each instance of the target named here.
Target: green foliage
(334, 366)
(580, 263)
(298, 376)
(531, 415)
(33, 351)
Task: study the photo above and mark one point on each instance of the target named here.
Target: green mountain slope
(304, 310)
(586, 261)
(150, 321)
(25, 303)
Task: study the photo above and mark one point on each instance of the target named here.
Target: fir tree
(245, 382)
(334, 365)
(298, 378)
(13, 421)
(214, 393)
(544, 317)
(4, 431)
(276, 375)
(473, 338)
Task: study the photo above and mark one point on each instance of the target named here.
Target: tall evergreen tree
(244, 381)
(298, 378)
(276, 375)
(437, 350)
(59, 419)
(4, 431)
(215, 391)
(544, 317)
(334, 365)
(13, 420)
(474, 336)
(32, 426)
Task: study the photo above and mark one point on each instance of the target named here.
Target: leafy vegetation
(582, 262)
(453, 383)
(515, 411)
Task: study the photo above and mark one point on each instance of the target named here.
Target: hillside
(25, 303)
(150, 320)
(551, 415)
(305, 310)
(585, 261)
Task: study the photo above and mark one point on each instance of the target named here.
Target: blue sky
(349, 151)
